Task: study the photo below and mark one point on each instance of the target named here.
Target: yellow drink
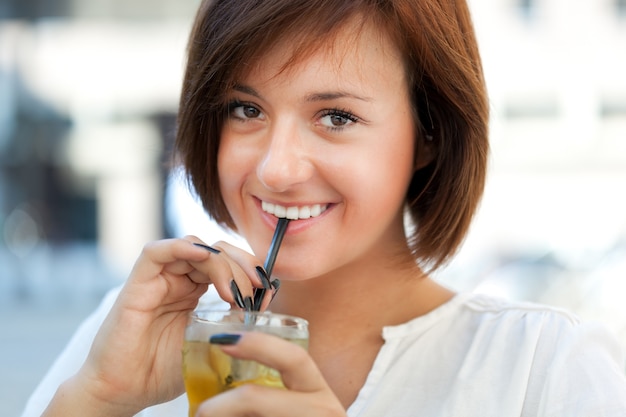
(207, 370)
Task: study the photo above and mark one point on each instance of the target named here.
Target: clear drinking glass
(207, 371)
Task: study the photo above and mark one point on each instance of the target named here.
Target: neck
(362, 293)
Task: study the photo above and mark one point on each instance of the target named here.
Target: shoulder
(482, 317)
(526, 317)
(494, 306)
(571, 364)
(547, 327)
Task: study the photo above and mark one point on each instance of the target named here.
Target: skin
(348, 271)
(291, 153)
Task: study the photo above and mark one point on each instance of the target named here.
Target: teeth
(280, 211)
(305, 212)
(294, 212)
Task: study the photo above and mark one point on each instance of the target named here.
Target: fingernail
(276, 286)
(237, 294)
(207, 247)
(224, 339)
(248, 303)
(258, 298)
(263, 276)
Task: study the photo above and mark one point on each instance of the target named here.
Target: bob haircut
(444, 72)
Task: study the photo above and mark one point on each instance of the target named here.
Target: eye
(336, 119)
(244, 111)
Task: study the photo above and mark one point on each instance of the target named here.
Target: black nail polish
(237, 294)
(276, 286)
(207, 247)
(258, 299)
(224, 339)
(263, 277)
(248, 305)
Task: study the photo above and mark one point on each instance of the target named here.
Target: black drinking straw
(281, 228)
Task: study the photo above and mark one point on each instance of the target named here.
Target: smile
(294, 212)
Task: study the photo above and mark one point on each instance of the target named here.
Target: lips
(294, 212)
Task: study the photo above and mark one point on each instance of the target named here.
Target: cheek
(374, 183)
(391, 166)
(229, 165)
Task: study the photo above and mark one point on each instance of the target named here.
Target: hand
(307, 392)
(136, 358)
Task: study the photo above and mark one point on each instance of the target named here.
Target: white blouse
(474, 356)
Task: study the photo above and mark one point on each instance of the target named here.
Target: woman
(355, 118)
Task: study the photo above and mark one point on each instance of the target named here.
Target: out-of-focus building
(552, 226)
(88, 96)
(555, 70)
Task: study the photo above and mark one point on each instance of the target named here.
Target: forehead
(357, 47)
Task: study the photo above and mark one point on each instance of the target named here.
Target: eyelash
(337, 112)
(230, 108)
(345, 114)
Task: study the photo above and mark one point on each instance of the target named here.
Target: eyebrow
(334, 95)
(246, 90)
(322, 96)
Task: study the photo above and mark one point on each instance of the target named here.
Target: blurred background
(88, 98)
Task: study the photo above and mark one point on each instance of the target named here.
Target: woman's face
(328, 142)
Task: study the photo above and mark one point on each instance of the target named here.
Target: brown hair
(445, 76)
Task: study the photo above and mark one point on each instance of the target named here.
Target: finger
(260, 283)
(178, 253)
(225, 274)
(269, 295)
(166, 285)
(249, 263)
(242, 284)
(256, 400)
(295, 365)
(241, 270)
(259, 280)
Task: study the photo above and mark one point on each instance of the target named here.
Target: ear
(424, 151)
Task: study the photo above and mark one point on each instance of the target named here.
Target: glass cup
(207, 370)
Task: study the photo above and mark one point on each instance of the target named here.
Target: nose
(285, 162)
